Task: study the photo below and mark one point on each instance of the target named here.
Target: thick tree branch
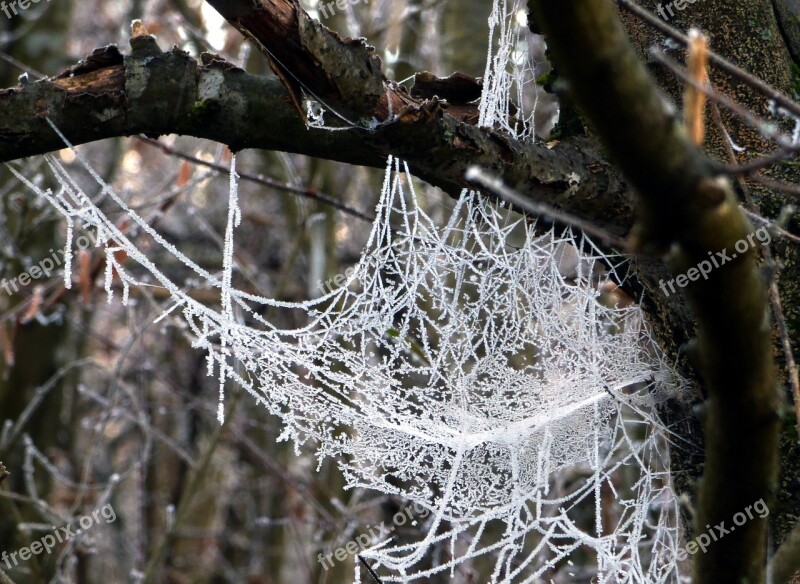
(312, 60)
(691, 213)
(153, 92)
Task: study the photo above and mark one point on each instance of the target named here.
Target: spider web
(467, 366)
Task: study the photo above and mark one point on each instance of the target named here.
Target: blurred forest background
(104, 406)
(100, 406)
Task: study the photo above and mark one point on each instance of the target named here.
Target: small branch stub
(694, 99)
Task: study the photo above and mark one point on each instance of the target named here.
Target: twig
(777, 229)
(20, 65)
(494, 185)
(751, 166)
(767, 129)
(788, 147)
(783, 187)
(258, 179)
(39, 395)
(671, 32)
(370, 570)
(791, 364)
(188, 493)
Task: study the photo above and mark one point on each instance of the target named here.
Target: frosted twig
(495, 186)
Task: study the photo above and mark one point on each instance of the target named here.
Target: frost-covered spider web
(464, 366)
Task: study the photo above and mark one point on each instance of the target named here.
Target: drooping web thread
(463, 366)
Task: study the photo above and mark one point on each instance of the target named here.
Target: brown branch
(312, 60)
(775, 185)
(752, 166)
(307, 192)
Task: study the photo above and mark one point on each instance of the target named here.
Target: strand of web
(509, 72)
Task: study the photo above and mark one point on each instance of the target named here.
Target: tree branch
(153, 92)
(689, 211)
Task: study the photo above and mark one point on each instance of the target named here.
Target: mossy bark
(686, 213)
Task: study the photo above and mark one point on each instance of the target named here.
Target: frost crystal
(469, 367)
